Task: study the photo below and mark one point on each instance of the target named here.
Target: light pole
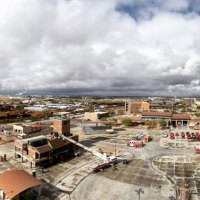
(139, 191)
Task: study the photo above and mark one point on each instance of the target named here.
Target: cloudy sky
(100, 47)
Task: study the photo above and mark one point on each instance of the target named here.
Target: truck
(136, 144)
(197, 149)
(101, 167)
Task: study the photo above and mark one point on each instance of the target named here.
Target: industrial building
(136, 107)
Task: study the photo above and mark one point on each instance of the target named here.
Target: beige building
(135, 106)
(189, 102)
(27, 129)
(95, 116)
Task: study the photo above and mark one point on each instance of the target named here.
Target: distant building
(179, 120)
(61, 115)
(27, 129)
(36, 108)
(95, 116)
(19, 184)
(156, 115)
(189, 102)
(135, 107)
(172, 119)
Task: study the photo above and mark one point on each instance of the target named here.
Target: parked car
(171, 134)
(172, 137)
(193, 135)
(183, 135)
(177, 134)
(5, 132)
(136, 138)
(165, 135)
(187, 133)
(189, 136)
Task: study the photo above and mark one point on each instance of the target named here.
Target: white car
(165, 135)
(6, 132)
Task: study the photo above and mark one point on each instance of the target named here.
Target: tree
(197, 114)
(127, 121)
(163, 123)
(198, 107)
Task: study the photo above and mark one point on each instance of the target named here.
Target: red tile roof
(16, 181)
(57, 143)
(180, 117)
(43, 149)
(156, 114)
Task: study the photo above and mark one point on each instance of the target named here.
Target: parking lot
(181, 170)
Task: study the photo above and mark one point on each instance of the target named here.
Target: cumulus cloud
(103, 47)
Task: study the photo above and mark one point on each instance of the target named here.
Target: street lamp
(139, 191)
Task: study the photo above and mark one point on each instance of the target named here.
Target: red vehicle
(171, 135)
(189, 136)
(197, 149)
(133, 143)
(101, 167)
(182, 134)
(187, 133)
(198, 136)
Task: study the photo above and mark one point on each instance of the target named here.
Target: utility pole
(139, 191)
